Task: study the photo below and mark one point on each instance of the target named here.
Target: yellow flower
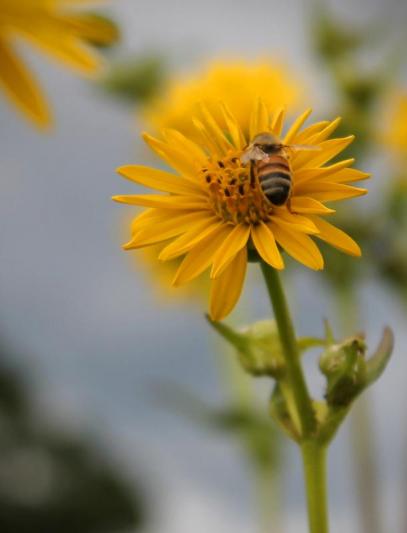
(396, 135)
(215, 213)
(235, 83)
(162, 273)
(56, 30)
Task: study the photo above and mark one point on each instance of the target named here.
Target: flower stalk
(293, 385)
(314, 461)
(299, 406)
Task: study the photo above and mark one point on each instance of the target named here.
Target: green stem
(314, 461)
(299, 401)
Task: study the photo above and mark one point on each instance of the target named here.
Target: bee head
(267, 143)
(262, 145)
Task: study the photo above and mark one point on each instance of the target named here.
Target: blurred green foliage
(361, 98)
(136, 79)
(52, 481)
(358, 90)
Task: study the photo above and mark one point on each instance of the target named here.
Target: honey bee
(269, 162)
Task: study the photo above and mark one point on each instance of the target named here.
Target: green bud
(344, 366)
(347, 370)
(265, 356)
(348, 373)
(258, 347)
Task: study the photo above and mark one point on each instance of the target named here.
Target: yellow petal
(306, 174)
(329, 192)
(162, 228)
(199, 231)
(322, 135)
(90, 27)
(201, 256)
(176, 158)
(349, 175)
(226, 289)
(212, 127)
(291, 220)
(260, 119)
(21, 87)
(265, 244)
(336, 237)
(207, 139)
(278, 121)
(303, 136)
(236, 240)
(65, 48)
(167, 202)
(147, 217)
(296, 126)
(307, 205)
(175, 138)
(299, 246)
(328, 150)
(234, 128)
(79, 2)
(159, 179)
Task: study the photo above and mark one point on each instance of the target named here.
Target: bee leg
(288, 204)
(252, 176)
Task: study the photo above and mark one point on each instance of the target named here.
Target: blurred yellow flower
(53, 27)
(236, 83)
(396, 134)
(162, 273)
(216, 212)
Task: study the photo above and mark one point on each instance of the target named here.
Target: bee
(269, 162)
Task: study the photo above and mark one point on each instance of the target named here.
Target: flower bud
(344, 366)
(347, 369)
(258, 347)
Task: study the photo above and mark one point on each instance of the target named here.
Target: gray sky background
(89, 328)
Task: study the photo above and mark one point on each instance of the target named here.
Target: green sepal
(377, 363)
(259, 348)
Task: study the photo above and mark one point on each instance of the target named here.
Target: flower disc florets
(214, 210)
(234, 196)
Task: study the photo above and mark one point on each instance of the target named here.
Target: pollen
(235, 197)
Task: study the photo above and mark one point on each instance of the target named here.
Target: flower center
(235, 195)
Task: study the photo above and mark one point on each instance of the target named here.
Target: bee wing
(253, 153)
(305, 147)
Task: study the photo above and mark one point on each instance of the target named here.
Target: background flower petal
(21, 87)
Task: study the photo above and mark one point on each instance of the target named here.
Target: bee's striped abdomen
(275, 179)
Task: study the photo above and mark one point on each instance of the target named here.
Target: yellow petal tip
(122, 170)
(120, 199)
